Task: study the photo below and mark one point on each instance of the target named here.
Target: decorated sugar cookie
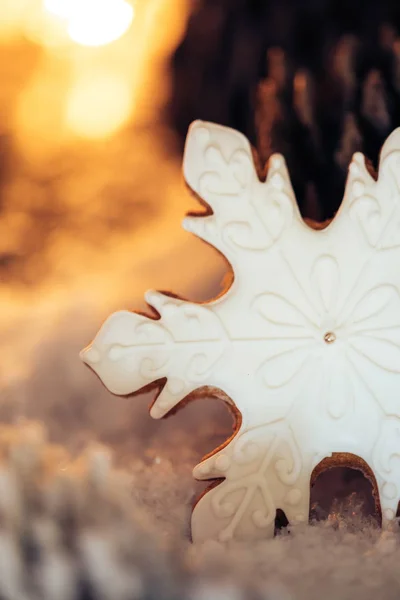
(305, 344)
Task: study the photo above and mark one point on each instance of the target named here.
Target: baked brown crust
(350, 461)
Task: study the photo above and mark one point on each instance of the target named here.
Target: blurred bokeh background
(91, 90)
(315, 80)
(91, 201)
(95, 100)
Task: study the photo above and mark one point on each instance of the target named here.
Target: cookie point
(277, 161)
(156, 412)
(187, 224)
(358, 158)
(201, 471)
(149, 296)
(89, 356)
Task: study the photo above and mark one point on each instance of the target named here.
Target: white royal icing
(306, 342)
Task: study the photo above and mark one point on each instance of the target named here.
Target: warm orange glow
(93, 22)
(38, 113)
(98, 105)
(11, 16)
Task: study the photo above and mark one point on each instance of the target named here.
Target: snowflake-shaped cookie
(305, 343)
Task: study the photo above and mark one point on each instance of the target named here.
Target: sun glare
(93, 22)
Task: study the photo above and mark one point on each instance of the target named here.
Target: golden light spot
(93, 22)
(98, 105)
